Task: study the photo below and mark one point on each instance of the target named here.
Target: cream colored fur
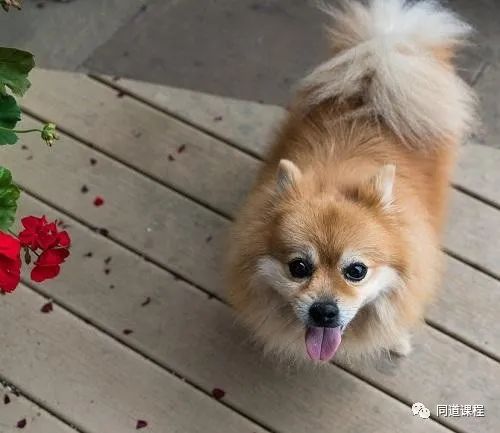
(390, 52)
(359, 169)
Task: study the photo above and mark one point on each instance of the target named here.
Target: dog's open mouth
(322, 343)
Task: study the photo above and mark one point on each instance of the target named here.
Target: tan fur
(332, 203)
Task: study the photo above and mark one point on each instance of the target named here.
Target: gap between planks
(227, 216)
(223, 215)
(192, 282)
(122, 342)
(18, 397)
(110, 83)
(209, 293)
(89, 144)
(179, 383)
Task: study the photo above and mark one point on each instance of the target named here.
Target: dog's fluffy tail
(395, 57)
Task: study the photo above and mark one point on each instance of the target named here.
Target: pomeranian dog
(337, 249)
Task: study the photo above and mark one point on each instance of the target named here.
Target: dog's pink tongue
(322, 343)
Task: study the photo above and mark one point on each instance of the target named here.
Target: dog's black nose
(325, 314)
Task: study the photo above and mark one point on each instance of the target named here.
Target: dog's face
(330, 254)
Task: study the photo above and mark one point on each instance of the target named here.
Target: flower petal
(10, 273)
(28, 238)
(42, 273)
(63, 239)
(9, 246)
(47, 240)
(33, 223)
(52, 257)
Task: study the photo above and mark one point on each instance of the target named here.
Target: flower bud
(49, 133)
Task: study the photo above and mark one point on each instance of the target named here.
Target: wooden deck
(172, 166)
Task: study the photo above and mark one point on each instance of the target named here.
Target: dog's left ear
(287, 176)
(382, 184)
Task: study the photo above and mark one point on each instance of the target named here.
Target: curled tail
(395, 57)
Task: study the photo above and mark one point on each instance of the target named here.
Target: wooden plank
(164, 148)
(473, 232)
(185, 225)
(182, 236)
(467, 307)
(205, 327)
(450, 360)
(248, 124)
(155, 220)
(184, 330)
(478, 169)
(462, 287)
(97, 383)
(113, 175)
(101, 117)
(37, 419)
(171, 229)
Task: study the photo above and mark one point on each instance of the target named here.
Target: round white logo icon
(420, 410)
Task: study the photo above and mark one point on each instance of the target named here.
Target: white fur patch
(377, 282)
(385, 53)
(271, 272)
(380, 280)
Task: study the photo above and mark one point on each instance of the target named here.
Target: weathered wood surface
(175, 211)
(98, 384)
(122, 116)
(246, 124)
(16, 410)
(177, 233)
(251, 127)
(116, 304)
(184, 330)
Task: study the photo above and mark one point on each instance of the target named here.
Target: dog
(337, 248)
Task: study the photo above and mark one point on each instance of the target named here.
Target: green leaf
(9, 194)
(15, 66)
(10, 114)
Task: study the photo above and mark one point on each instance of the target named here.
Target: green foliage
(10, 114)
(9, 194)
(15, 66)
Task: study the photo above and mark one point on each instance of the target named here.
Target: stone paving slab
(245, 49)
(62, 34)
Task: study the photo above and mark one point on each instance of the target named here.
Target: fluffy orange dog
(337, 248)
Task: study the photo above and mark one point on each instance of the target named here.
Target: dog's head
(330, 251)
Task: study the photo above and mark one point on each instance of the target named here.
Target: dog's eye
(355, 271)
(300, 268)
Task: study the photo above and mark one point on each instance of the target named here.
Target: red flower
(40, 234)
(10, 262)
(48, 264)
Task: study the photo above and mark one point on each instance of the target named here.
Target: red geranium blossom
(10, 262)
(40, 234)
(48, 264)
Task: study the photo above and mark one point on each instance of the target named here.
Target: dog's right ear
(288, 176)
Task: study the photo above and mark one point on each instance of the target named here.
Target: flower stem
(20, 131)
